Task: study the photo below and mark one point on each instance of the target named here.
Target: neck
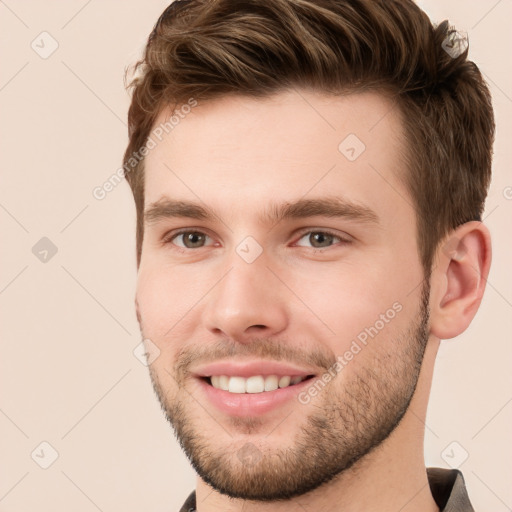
(392, 477)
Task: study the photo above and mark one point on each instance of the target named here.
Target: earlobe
(459, 279)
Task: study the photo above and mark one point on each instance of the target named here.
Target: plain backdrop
(68, 377)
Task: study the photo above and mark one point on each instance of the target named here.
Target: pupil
(320, 238)
(193, 239)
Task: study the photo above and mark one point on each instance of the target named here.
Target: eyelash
(168, 239)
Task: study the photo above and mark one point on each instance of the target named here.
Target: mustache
(261, 348)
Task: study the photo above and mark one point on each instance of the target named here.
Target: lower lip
(251, 404)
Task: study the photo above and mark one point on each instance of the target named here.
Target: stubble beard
(348, 421)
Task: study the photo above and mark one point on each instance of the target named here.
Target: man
(309, 179)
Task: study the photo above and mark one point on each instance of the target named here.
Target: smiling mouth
(255, 383)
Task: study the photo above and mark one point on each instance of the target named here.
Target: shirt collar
(446, 485)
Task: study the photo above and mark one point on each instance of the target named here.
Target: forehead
(235, 152)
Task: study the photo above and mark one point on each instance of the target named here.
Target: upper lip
(246, 369)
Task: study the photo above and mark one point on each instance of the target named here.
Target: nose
(247, 302)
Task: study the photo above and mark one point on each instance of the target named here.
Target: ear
(458, 279)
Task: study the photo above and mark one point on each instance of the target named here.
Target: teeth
(271, 383)
(224, 382)
(253, 384)
(284, 381)
(236, 385)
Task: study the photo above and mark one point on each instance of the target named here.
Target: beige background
(68, 374)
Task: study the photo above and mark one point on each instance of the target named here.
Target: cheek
(166, 297)
(350, 295)
(352, 300)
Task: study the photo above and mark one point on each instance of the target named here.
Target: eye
(192, 239)
(320, 239)
(188, 239)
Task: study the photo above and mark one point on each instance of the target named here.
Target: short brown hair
(204, 49)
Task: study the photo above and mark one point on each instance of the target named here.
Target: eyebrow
(276, 212)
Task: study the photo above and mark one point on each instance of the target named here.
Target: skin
(236, 155)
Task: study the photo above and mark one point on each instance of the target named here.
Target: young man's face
(331, 290)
